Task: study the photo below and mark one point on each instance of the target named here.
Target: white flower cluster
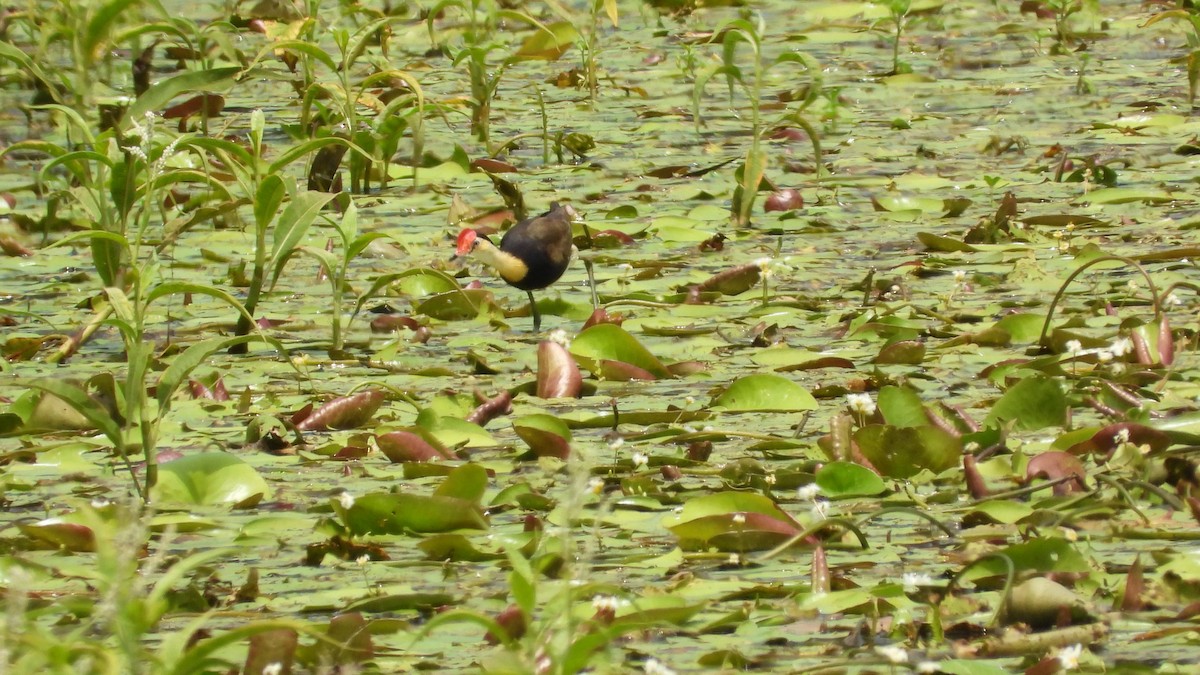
(861, 404)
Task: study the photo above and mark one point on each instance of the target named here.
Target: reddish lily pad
(732, 521)
(346, 412)
(546, 435)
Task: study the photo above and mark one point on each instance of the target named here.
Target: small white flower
(161, 163)
(656, 667)
(363, 560)
(610, 603)
(1104, 356)
(346, 500)
(1133, 286)
(1074, 347)
(739, 519)
(894, 653)
(560, 336)
(1068, 657)
(1122, 436)
(763, 264)
(960, 276)
(689, 400)
(734, 559)
(100, 502)
(769, 479)
(144, 132)
(1121, 346)
(808, 492)
(820, 509)
(596, 486)
(616, 443)
(915, 580)
(1172, 300)
(640, 459)
(861, 404)
(273, 668)
(928, 667)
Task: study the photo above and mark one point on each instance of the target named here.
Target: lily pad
(765, 392)
(207, 479)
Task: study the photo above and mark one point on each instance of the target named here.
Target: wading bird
(533, 254)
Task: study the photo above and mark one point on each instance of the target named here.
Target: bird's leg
(587, 265)
(537, 318)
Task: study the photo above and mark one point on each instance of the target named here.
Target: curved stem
(912, 512)
(1063, 289)
(813, 529)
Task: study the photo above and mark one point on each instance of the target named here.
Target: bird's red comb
(466, 241)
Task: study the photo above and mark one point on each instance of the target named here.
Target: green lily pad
(386, 513)
(765, 392)
(847, 479)
(610, 342)
(904, 452)
(1032, 403)
(207, 479)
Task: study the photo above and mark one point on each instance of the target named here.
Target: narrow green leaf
(215, 80)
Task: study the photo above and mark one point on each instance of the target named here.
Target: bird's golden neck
(508, 266)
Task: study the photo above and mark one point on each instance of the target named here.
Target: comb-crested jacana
(533, 254)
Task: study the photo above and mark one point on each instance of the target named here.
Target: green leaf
(457, 305)
(902, 407)
(1033, 403)
(292, 225)
(765, 392)
(1004, 511)
(121, 305)
(207, 479)
(549, 43)
(100, 26)
(215, 80)
(905, 452)
(195, 355)
(610, 342)
(1048, 554)
(78, 399)
(847, 479)
(270, 195)
(383, 513)
(467, 482)
(1125, 195)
